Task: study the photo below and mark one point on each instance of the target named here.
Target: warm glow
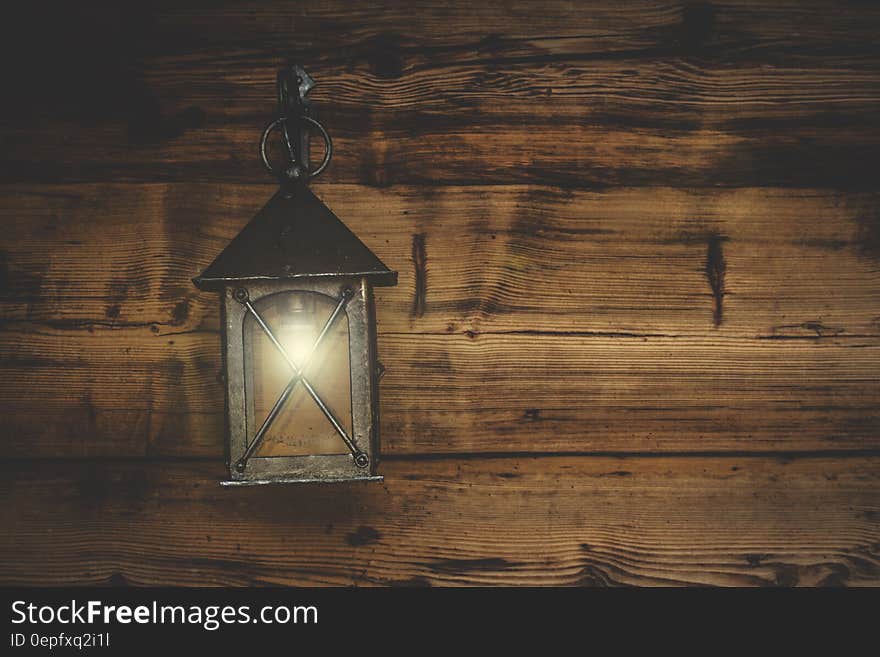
(296, 319)
(297, 334)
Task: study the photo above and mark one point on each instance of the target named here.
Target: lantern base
(300, 480)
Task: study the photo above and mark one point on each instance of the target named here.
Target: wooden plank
(799, 127)
(131, 392)
(563, 521)
(630, 320)
(678, 95)
(764, 263)
(637, 25)
(534, 146)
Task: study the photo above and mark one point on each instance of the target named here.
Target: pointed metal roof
(294, 236)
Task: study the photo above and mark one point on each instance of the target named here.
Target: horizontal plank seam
(473, 456)
(638, 454)
(19, 189)
(86, 325)
(11, 181)
(627, 334)
(742, 52)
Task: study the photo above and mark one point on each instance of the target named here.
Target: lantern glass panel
(301, 428)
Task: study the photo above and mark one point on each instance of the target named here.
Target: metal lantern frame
(296, 244)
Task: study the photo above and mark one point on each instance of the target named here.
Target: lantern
(298, 324)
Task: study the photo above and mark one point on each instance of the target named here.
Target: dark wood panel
(132, 392)
(562, 521)
(673, 94)
(631, 320)
(339, 30)
(579, 143)
(566, 393)
(757, 263)
(646, 228)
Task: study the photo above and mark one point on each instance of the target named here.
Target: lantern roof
(294, 236)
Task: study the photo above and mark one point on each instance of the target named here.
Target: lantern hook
(295, 122)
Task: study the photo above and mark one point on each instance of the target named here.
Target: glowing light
(297, 334)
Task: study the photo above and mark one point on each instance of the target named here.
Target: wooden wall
(636, 338)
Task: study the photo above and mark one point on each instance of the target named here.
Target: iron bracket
(296, 122)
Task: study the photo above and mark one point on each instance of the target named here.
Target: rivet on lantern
(299, 332)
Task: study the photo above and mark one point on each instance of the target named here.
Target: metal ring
(328, 144)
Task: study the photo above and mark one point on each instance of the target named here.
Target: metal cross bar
(329, 414)
(299, 372)
(299, 375)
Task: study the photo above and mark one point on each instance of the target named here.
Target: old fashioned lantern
(299, 329)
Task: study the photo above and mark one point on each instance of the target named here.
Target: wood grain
(130, 392)
(560, 521)
(636, 338)
(492, 258)
(674, 94)
(632, 320)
